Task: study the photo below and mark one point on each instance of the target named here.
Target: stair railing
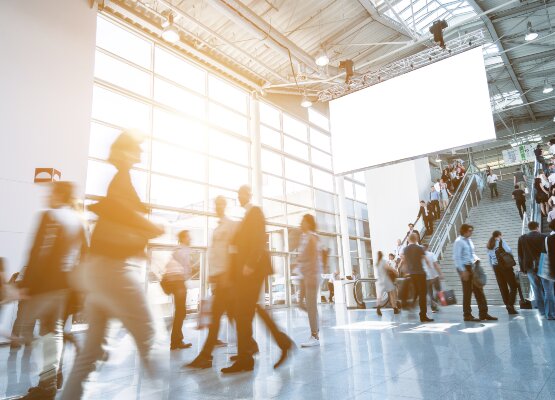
(467, 196)
(535, 212)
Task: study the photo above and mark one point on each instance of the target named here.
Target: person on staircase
(427, 217)
(412, 230)
(492, 183)
(466, 263)
(434, 201)
(520, 179)
(542, 195)
(444, 194)
(519, 197)
(502, 262)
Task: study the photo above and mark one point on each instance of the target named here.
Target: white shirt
(551, 216)
(218, 254)
(552, 149)
(492, 178)
(431, 272)
(551, 179)
(437, 186)
(399, 251)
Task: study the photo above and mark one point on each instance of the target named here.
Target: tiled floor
(361, 357)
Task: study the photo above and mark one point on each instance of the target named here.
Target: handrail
(472, 169)
(534, 207)
(441, 234)
(358, 281)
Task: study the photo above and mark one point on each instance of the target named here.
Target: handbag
(504, 259)
(544, 266)
(479, 277)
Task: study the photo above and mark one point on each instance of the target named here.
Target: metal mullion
(124, 60)
(282, 153)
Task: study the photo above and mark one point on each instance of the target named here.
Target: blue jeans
(549, 298)
(536, 286)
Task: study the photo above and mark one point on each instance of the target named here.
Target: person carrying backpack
(502, 262)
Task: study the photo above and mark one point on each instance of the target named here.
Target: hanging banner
(521, 154)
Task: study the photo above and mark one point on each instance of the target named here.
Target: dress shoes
(471, 318)
(239, 366)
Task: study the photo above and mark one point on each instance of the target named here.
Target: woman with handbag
(112, 287)
(386, 274)
(177, 271)
(502, 262)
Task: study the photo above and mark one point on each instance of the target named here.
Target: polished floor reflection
(361, 357)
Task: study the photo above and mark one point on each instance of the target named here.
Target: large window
(198, 146)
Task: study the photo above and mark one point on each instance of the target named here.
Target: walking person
(502, 264)
(219, 276)
(434, 201)
(59, 241)
(444, 194)
(310, 267)
(385, 273)
(427, 216)
(530, 247)
(113, 289)
(542, 196)
(548, 280)
(465, 261)
(433, 278)
(176, 273)
(492, 183)
(519, 179)
(250, 266)
(413, 257)
(519, 197)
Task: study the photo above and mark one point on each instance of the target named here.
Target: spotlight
(437, 30)
(531, 33)
(347, 65)
(438, 159)
(547, 87)
(305, 102)
(322, 59)
(170, 32)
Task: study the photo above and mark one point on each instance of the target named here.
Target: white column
(394, 193)
(343, 227)
(46, 78)
(255, 150)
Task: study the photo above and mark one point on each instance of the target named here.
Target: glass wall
(198, 146)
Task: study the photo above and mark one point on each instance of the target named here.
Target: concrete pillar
(46, 81)
(343, 227)
(394, 192)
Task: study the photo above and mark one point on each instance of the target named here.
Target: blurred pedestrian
(492, 183)
(519, 197)
(59, 241)
(504, 274)
(386, 273)
(519, 178)
(113, 289)
(310, 267)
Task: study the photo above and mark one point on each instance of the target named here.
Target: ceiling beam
(517, 11)
(525, 75)
(534, 57)
(503, 54)
(354, 27)
(247, 19)
(385, 20)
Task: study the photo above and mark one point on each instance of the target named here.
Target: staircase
(491, 214)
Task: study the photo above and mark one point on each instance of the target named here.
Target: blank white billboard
(437, 107)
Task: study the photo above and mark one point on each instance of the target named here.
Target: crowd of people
(65, 259)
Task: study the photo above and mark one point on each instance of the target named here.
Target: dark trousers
(468, 288)
(331, 288)
(436, 209)
(507, 284)
(521, 206)
(429, 223)
(179, 293)
(433, 285)
(493, 188)
(418, 282)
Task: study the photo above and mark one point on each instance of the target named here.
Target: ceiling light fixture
(305, 102)
(531, 34)
(438, 159)
(547, 87)
(322, 59)
(170, 33)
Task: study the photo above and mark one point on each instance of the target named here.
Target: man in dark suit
(530, 247)
(250, 266)
(427, 216)
(412, 230)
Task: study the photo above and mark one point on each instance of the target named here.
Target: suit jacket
(530, 246)
(249, 242)
(422, 213)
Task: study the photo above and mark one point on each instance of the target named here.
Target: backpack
(504, 259)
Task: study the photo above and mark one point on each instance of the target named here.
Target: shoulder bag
(480, 279)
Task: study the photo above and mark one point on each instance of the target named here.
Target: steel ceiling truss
(400, 67)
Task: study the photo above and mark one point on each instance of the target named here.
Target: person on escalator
(427, 217)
